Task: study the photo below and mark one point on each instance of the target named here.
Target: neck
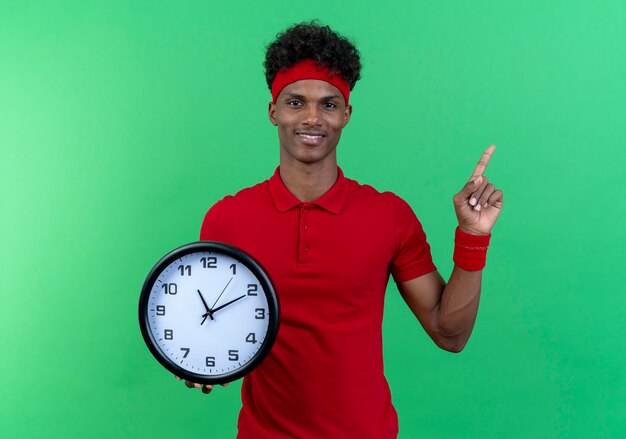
(308, 182)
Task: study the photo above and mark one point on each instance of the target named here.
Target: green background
(122, 122)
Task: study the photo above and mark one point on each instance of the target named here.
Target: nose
(312, 115)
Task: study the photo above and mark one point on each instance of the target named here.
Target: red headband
(308, 69)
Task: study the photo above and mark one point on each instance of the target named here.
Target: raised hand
(479, 203)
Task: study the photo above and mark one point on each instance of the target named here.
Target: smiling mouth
(310, 136)
(311, 139)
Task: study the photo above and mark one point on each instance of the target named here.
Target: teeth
(309, 136)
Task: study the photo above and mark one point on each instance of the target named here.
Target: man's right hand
(206, 388)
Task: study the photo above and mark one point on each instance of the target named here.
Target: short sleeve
(412, 256)
(210, 228)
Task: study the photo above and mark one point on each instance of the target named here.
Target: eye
(329, 106)
(294, 103)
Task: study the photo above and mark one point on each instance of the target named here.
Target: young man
(330, 244)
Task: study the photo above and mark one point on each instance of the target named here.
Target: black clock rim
(254, 266)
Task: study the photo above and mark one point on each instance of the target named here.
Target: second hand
(218, 297)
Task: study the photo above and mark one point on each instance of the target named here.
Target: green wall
(122, 122)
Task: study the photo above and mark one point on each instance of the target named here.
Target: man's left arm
(448, 311)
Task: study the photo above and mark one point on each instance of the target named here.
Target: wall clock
(208, 312)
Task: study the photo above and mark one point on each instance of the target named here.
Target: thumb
(468, 189)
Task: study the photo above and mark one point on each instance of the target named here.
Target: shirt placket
(304, 236)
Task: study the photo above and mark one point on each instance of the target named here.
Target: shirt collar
(284, 200)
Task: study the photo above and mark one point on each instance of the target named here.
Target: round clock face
(208, 312)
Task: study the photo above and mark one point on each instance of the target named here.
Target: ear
(271, 113)
(347, 115)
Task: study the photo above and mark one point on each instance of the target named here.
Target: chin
(310, 157)
(308, 154)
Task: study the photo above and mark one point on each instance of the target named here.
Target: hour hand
(206, 307)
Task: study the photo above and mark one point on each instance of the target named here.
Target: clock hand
(205, 306)
(212, 311)
(205, 316)
(218, 297)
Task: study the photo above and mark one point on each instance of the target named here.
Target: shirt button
(306, 249)
(305, 210)
(305, 227)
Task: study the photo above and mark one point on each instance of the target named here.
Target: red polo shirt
(330, 262)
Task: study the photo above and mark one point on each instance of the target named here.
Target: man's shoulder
(369, 194)
(252, 195)
(233, 211)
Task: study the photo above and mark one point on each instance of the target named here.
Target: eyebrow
(303, 98)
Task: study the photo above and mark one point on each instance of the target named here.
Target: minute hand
(212, 311)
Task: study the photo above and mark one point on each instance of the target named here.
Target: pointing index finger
(483, 162)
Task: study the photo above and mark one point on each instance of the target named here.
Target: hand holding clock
(179, 343)
(206, 388)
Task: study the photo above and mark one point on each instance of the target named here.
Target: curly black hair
(315, 41)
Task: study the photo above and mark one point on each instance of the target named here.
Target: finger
(483, 162)
(206, 388)
(189, 384)
(496, 199)
(467, 190)
(225, 385)
(178, 378)
(473, 201)
(484, 198)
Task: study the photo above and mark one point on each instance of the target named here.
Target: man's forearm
(458, 308)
